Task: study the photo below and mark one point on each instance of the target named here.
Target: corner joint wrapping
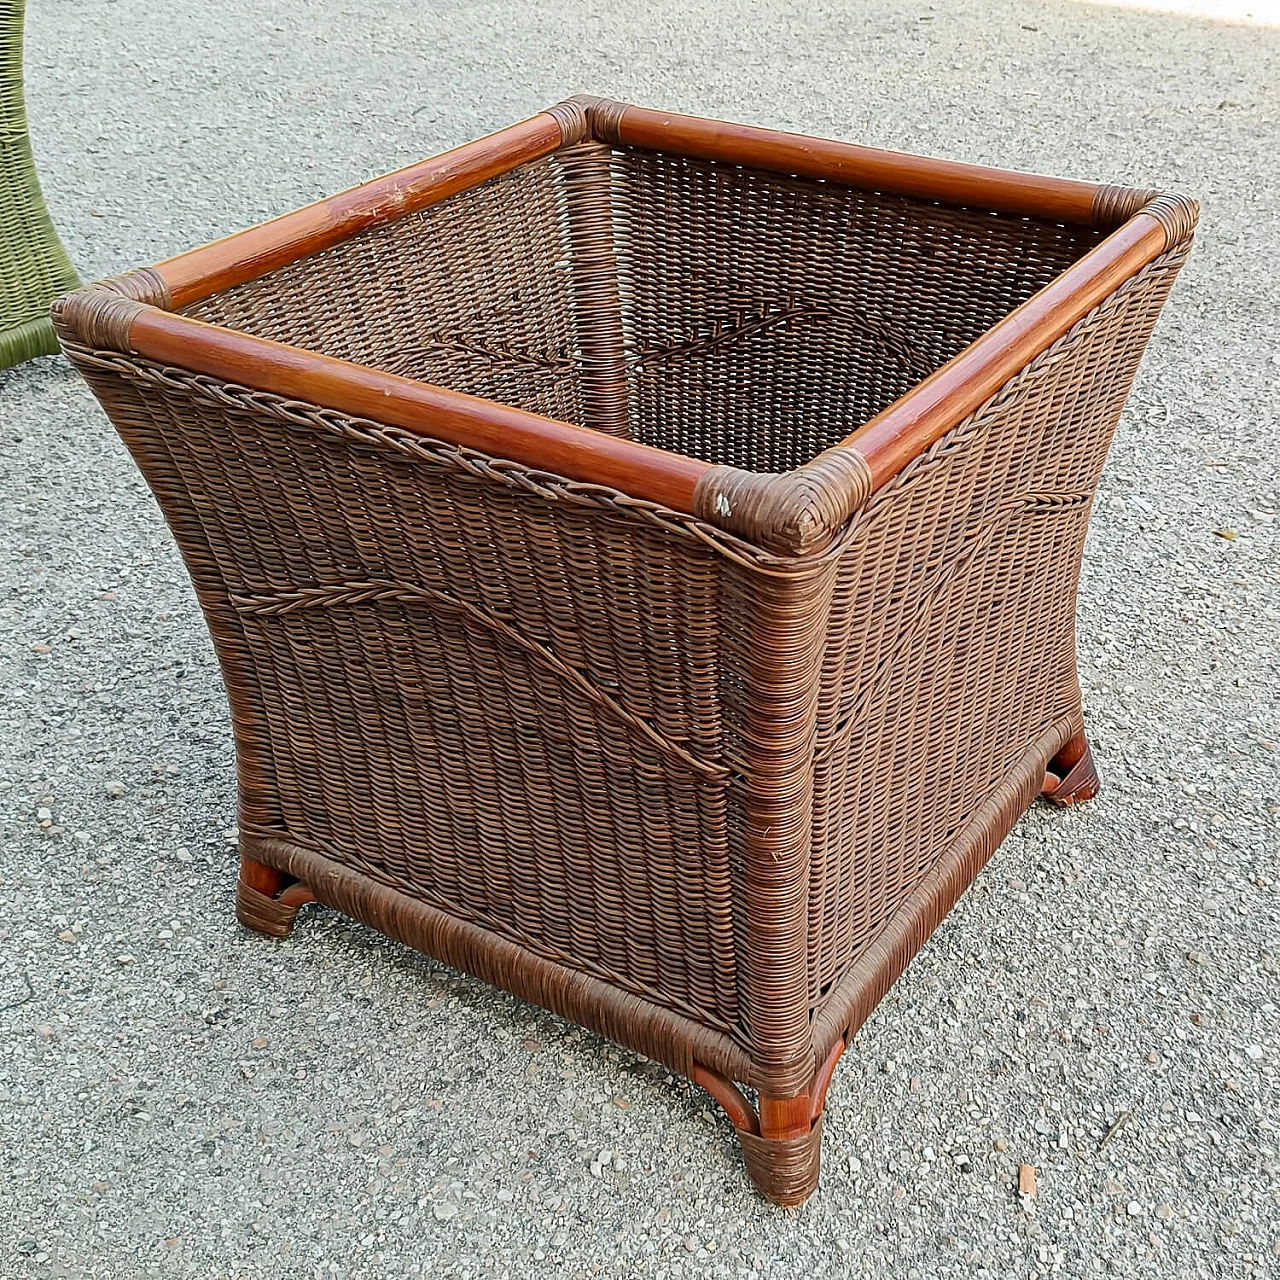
(100, 315)
(585, 116)
(791, 513)
(1177, 214)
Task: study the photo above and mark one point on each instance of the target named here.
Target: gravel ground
(178, 1098)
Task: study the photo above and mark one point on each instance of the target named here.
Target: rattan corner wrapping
(700, 773)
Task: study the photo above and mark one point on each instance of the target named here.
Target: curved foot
(782, 1143)
(267, 901)
(784, 1169)
(1071, 775)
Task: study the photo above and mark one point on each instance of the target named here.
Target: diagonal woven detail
(791, 314)
(349, 594)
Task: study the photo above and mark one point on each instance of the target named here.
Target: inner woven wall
(724, 313)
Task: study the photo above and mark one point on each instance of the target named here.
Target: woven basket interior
(750, 318)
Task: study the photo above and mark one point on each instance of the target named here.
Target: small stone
(1228, 535)
(1133, 1209)
(66, 936)
(81, 837)
(260, 1042)
(1043, 1125)
(356, 1139)
(1027, 1179)
(623, 1104)
(126, 959)
(691, 1244)
(44, 1031)
(1164, 1212)
(1001, 1144)
(443, 1210)
(28, 1247)
(1253, 1052)
(930, 1154)
(183, 855)
(531, 1046)
(1195, 957)
(44, 815)
(559, 1238)
(115, 788)
(1153, 1059)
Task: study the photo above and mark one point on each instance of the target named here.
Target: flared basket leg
(780, 1138)
(267, 900)
(1071, 775)
(785, 1170)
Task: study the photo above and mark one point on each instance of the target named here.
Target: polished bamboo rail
(896, 173)
(577, 453)
(887, 441)
(929, 410)
(251, 253)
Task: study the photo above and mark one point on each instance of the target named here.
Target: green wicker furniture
(642, 554)
(34, 267)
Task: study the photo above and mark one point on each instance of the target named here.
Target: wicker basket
(642, 556)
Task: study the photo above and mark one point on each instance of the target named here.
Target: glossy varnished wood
(910, 425)
(497, 429)
(948, 181)
(252, 253)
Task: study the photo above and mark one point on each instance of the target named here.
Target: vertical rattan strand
(775, 633)
(597, 307)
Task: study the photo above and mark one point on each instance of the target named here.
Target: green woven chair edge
(24, 331)
(26, 341)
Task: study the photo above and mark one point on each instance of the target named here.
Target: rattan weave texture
(34, 267)
(697, 792)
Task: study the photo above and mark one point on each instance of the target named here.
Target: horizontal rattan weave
(699, 758)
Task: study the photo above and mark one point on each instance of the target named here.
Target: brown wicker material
(680, 674)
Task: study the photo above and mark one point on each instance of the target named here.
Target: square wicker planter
(642, 556)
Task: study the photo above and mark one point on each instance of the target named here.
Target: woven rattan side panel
(952, 646)
(473, 293)
(769, 317)
(496, 694)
